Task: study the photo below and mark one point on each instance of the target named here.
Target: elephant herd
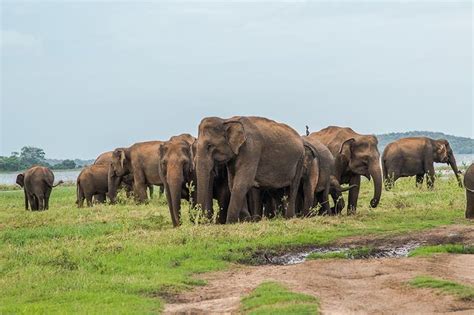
(253, 167)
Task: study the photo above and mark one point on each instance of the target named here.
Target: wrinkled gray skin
(92, 182)
(469, 185)
(415, 156)
(258, 152)
(140, 160)
(176, 166)
(355, 155)
(37, 183)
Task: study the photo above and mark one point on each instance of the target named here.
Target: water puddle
(349, 253)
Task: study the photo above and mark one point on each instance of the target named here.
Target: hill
(460, 145)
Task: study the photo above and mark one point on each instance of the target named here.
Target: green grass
(354, 253)
(273, 298)
(461, 291)
(125, 258)
(438, 249)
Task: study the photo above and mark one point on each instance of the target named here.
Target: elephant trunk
(452, 163)
(203, 174)
(112, 183)
(174, 185)
(376, 174)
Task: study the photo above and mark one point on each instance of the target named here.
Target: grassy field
(126, 258)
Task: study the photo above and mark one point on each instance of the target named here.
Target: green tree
(32, 155)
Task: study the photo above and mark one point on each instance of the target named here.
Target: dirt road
(348, 286)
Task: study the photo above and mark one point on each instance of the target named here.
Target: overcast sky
(85, 77)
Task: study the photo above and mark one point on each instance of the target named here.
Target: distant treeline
(460, 145)
(29, 156)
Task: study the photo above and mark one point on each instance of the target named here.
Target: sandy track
(346, 286)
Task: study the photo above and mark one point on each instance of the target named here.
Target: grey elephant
(37, 183)
(415, 156)
(469, 185)
(257, 152)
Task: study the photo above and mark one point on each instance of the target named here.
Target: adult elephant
(469, 185)
(176, 167)
(416, 156)
(258, 152)
(140, 160)
(37, 183)
(355, 155)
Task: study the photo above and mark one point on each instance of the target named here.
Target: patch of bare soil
(348, 286)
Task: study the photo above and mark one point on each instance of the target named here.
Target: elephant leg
(430, 179)
(26, 199)
(99, 198)
(308, 195)
(293, 191)
(338, 201)
(40, 202)
(270, 206)
(34, 202)
(325, 206)
(241, 183)
(89, 197)
(151, 189)
(244, 214)
(46, 198)
(139, 187)
(255, 204)
(470, 205)
(419, 180)
(353, 194)
(223, 198)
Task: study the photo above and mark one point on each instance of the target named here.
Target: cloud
(17, 40)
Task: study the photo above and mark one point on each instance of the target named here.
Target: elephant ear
(441, 147)
(120, 153)
(20, 179)
(346, 148)
(162, 150)
(235, 134)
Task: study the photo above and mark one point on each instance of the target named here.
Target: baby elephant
(37, 183)
(92, 181)
(469, 185)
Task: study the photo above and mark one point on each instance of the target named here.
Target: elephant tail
(59, 183)
(52, 186)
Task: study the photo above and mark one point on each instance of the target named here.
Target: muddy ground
(374, 285)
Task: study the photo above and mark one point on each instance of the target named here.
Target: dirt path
(348, 286)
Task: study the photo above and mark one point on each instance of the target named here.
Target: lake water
(71, 175)
(66, 176)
